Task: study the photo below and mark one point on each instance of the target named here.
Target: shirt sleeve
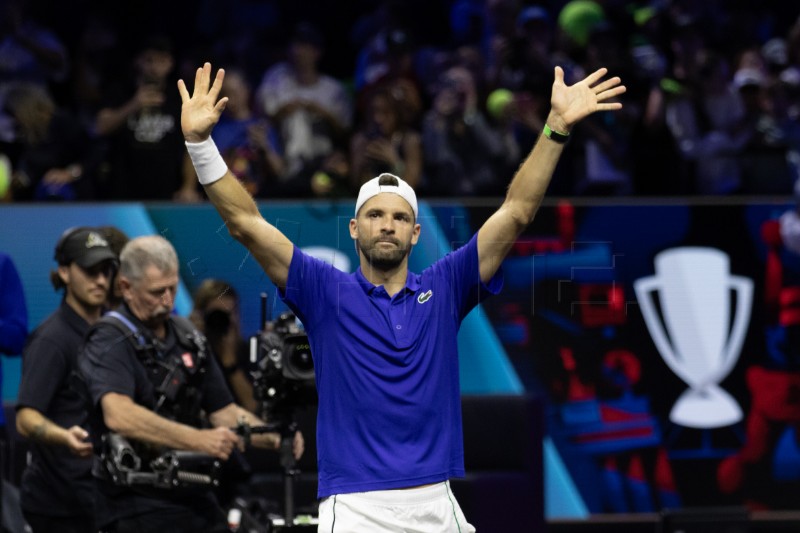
(107, 363)
(44, 365)
(309, 284)
(464, 271)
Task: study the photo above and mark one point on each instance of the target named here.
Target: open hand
(201, 111)
(569, 104)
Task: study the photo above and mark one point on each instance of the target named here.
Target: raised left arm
(568, 105)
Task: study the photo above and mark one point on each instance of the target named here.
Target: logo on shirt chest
(425, 296)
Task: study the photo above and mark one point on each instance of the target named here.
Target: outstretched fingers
(202, 85)
(606, 85)
(611, 93)
(198, 80)
(609, 106)
(216, 87)
(595, 76)
(183, 91)
(606, 90)
(201, 79)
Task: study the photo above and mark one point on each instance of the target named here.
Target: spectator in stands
(140, 122)
(658, 168)
(764, 160)
(311, 110)
(241, 31)
(30, 52)
(56, 159)
(95, 66)
(384, 142)
(705, 118)
(388, 61)
(785, 112)
(530, 56)
(605, 145)
(463, 155)
(216, 315)
(487, 25)
(247, 142)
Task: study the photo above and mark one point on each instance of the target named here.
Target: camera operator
(216, 315)
(152, 383)
(57, 487)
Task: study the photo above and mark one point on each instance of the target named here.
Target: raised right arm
(199, 113)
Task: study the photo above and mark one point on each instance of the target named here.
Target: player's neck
(392, 280)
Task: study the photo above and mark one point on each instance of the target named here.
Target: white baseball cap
(373, 187)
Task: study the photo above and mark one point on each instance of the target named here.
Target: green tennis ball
(578, 17)
(642, 15)
(5, 175)
(497, 102)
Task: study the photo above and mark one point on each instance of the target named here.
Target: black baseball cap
(85, 247)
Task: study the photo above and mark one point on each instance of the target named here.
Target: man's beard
(382, 258)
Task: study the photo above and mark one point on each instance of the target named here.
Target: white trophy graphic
(693, 330)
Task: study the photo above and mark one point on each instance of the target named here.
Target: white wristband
(207, 161)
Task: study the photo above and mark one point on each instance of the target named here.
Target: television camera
(284, 380)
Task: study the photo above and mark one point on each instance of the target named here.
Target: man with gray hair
(155, 388)
(383, 339)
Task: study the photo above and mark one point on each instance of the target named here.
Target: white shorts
(431, 509)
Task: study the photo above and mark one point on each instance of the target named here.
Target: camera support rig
(170, 470)
(287, 460)
(284, 381)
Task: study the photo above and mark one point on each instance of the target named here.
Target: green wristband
(555, 136)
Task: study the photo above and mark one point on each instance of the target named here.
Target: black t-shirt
(109, 363)
(145, 153)
(56, 482)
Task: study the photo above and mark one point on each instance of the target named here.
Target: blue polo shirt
(387, 369)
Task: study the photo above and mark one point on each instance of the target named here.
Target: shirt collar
(412, 282)
(73, 319)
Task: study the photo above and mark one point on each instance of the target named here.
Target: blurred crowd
(449, 94)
